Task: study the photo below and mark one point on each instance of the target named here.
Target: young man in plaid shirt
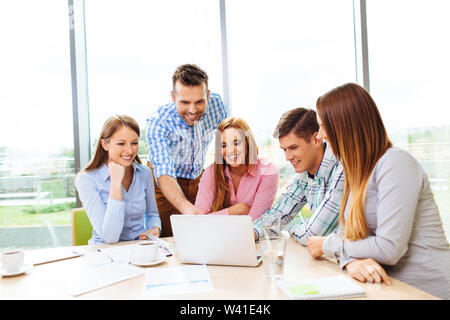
(319, 181)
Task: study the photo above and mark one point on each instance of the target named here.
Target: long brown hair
(110, 126)
(222, 192)
(357, 135)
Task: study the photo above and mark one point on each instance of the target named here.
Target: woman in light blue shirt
(116, 190)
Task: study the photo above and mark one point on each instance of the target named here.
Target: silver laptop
(214, 239)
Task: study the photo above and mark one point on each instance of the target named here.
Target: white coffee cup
(12, 260)
(145, 252)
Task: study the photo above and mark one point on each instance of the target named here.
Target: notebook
(337, 287)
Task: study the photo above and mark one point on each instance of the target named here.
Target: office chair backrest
(81, 227)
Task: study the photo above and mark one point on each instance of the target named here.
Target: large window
(36, 135)
(133, 48)
(281, 55)
(409, 80)
(284, 55)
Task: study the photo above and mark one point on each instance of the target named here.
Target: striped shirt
(322, 193)
(177, 149)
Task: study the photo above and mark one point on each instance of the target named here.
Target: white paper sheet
(120, 253)
(94, 271)
(178, 280)
(123, 253)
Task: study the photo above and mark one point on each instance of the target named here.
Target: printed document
(178, 280)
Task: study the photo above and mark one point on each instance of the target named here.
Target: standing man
(319, 181)
(178, 135)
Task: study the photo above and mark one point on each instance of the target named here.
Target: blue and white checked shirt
(114, 220)
(323, 194)
(177, 149)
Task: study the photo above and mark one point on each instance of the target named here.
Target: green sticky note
(304, 289)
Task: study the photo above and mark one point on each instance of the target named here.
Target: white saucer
(161, 259)
(22, 270)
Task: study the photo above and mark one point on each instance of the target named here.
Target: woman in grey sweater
(389, 221)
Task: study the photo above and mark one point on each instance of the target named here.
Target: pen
(152, 237)
(163, 243)
(109, 258)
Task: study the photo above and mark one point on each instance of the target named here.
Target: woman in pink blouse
(237, 182)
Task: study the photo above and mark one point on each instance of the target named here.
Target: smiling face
(233, 147)
(303, 154)
(122, 147)
(190, 101)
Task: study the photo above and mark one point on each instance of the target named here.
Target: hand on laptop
(189, 208)
(239, 209)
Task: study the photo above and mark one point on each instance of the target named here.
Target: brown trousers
(165, 208)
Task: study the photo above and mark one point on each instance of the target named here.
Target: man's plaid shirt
(323, 193)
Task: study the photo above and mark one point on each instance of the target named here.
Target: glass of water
(271, 225)
(273, 251)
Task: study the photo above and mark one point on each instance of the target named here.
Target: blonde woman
(238, 182)
(116, 190)
(389, 221)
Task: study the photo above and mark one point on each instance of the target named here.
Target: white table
(234, 283)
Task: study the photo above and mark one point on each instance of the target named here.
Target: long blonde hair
(358, 138)
(222, 192)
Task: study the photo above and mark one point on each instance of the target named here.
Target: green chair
(81, 227)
